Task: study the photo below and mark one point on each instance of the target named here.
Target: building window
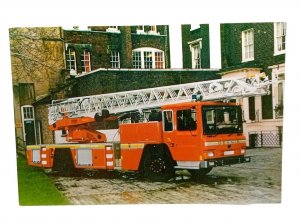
(71, 59)
(159, 60)
(280, 96)
(148, 29)
(136, 59)
(148, 58)
(153, 29)
(247, 45)
(140, 29)
(251, 108)
(115, 59)
(196, 59)
(28, 120)
(26, 93)
(279, 37)
(85, 61)
(113, 29)
(195, 47)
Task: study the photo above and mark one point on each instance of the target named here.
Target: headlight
(210, 154)
(243, 151)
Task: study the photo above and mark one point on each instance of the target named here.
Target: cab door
(181, 133)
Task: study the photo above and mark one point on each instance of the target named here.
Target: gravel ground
(256, 182)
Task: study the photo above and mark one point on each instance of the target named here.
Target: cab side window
(186, 120)
(168, 121)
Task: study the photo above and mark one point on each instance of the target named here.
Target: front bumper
(224, 161)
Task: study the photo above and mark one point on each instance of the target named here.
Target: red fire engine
(163, 129)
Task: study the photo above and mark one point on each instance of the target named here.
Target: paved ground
(255, 182)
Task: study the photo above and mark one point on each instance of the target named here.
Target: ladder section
(220, 89)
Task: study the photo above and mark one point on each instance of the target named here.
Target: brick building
(248, 49)
(195, 46)
(138, 47)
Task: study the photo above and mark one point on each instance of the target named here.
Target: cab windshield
(222, 119)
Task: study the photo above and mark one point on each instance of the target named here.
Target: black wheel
(158, 168)
(198, 174)
(63, 162)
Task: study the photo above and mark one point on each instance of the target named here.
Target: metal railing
(265, 139)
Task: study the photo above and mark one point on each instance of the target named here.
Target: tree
(36, 55)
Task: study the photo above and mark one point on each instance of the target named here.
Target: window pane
(248, 44)
(71, 59)
(222, 119)
(153, 28)
(148, 60)
(115, 59)
(159, 60)
(136, 59)
(85, 61)
(280, 93)
(186, 120)
(168, 121)
(280, 32)
(28, 113)
(140, 28)
(196, 58)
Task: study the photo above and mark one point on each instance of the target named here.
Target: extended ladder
(220, 89)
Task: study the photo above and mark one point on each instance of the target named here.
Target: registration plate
(230, 152)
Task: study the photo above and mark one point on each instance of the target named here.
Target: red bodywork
(186, 147)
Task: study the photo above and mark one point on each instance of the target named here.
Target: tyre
(198, 174)
(158, 167)
(63, 162)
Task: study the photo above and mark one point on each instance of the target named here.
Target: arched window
(148, 58)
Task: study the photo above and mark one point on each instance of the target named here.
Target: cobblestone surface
(256, 182)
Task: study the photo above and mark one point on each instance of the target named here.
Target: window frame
(196, 61)
(282, 27)
(115, 59)
(247, 35)
(84, 58)
(28, 115)
(186, 119)
(69, 60)
(164, 121)
(140, 29)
